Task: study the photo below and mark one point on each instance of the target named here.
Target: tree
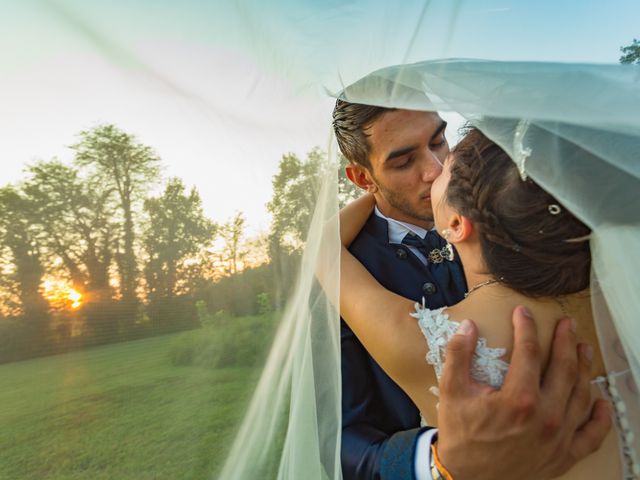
(19, 239)
(74, 217)
(177, 233)
(177, 230)
(295, 190)
(257, 250)
(121, 162)
(631, 53)
(232, 233)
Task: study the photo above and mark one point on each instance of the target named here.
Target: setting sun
(75, 297)
(61, 294)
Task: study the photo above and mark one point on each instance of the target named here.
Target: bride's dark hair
(528, 240)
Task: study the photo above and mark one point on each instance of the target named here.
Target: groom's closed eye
(402, 162)
(440, 143)
(438, 139)
(401, 152)
(402, 157)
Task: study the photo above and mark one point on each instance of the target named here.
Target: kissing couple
(486, 326)
(443, 236)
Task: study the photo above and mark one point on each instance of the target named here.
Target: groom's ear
(360, 177)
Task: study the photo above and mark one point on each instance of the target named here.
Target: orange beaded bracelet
(435, 460)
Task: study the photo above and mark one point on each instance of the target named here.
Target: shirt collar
(398, 230)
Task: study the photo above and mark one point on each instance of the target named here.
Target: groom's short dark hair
(350, 120)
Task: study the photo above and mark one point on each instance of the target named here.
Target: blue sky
(222, 89)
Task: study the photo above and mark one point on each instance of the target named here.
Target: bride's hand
(354, 216)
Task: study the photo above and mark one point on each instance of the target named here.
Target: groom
(396, 155)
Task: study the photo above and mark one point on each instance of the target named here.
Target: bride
(518, 246)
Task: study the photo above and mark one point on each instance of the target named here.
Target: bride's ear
(460, 228)
(360, 177)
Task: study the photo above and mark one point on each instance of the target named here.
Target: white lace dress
(487, 367)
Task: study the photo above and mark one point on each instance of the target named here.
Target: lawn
(118, 412)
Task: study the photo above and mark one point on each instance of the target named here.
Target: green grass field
(118, 412)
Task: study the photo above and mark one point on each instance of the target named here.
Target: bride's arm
(381, 320)
(354, 216)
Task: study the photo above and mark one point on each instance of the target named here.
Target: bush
(171, 314)
(234, 342)
(18, 341)
(264, 303)
(254, 290)
(181, 350)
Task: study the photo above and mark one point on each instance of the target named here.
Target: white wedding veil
(232, 96)
(588, 161)
(572, 127)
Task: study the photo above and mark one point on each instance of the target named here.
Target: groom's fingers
(456, 376)
(591, 435)
(523, 377)
(562, 372)
(580, 401)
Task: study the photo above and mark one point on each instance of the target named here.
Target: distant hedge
(226, 342)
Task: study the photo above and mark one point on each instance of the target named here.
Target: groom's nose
(431, 167)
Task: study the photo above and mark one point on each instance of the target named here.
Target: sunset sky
(222, 89)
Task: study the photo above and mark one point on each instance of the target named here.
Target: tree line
(143, 264)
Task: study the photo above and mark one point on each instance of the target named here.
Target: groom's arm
(368, 452)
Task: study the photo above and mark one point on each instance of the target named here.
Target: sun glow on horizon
(61, 294)
(75, 297)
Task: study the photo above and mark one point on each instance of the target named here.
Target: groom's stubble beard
(402, 203)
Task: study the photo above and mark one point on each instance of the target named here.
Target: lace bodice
(487, 367)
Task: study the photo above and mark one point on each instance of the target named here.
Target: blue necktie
(448, 274)
(432, 246)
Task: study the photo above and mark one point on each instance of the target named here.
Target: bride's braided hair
(522, 242)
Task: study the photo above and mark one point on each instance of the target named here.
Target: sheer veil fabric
(553, 97)
(580, 148)
(572, 127)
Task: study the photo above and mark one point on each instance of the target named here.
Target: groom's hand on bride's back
(533, 427)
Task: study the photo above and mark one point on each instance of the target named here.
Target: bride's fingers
(456, 377)
(562, 372)
(523, 376)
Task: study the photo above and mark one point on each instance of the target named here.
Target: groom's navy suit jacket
(380, 424)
